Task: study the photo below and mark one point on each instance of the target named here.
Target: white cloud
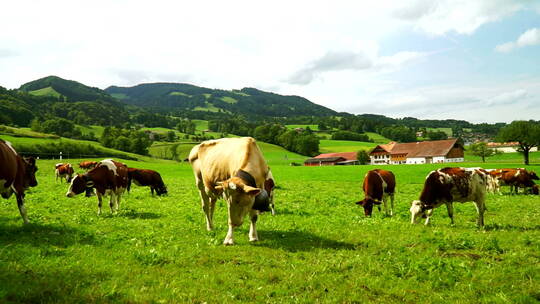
(354, 61)
(530, 37)
(439, 17)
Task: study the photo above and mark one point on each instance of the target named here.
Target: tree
(363, 157)
(481, 149)
(436, 135)
(526, 133)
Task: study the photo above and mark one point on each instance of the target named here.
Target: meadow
(318, 248)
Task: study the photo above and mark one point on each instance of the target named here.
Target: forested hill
(66, 90)
(186, 97)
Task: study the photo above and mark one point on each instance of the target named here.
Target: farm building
(508, 147)
(332, 159)
(424, 152)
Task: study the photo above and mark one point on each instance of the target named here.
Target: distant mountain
(53, 96)
(65, 90)
(248, 101)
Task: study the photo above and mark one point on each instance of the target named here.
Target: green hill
(72, 90)
(248, 101)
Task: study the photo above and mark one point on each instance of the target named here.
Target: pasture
(318, 248)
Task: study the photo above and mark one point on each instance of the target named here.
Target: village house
(424, 152)
(332, 159)
(507, 147)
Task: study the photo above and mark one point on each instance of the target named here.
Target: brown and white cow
(16, 175)
(87, 164)
(515, 178)
(64, 171)
(378, 186)
(448, 185)
(146, 177)
(232, 168)
(109, 177)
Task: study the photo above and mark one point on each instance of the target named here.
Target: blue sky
(431, 59)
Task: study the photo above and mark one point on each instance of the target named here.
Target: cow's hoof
(228, 243)
(253, 240)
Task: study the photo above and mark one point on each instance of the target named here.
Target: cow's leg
(384, 199)
(205, 202)
(450, 208)
(429, 213)
(118, 198)
(100, 199)
(229, 239)
(253, 237)
(152, 190)
(480, 208)
(392, 204)
(22, 209)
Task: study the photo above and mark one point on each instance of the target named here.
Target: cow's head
(161, 190)
(533, 175)
(79, 184)
(368, 203)
(240, 198)
(30, 172)
(418, 210)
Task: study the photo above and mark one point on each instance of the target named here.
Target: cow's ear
(361, 203)
(251, 190)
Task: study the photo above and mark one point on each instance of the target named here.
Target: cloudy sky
(477, 60)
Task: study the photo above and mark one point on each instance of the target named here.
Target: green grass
(312, 127)
(240, 93)
(327, 146)
(200, 125)
(448, 131)
(48, 91)
(179, 93)
(318, 248)
(24, 132)
(377, 138)
(229, 99)
(207, 95)
(97, 130)
(119, 95)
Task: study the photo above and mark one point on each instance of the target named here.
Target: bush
(348, 135)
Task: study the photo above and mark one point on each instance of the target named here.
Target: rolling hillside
(248, 101)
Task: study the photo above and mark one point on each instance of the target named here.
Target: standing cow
(64, 171)
(378, 186)
(145, 177)
(515, 178)
(109, 177)
(448, 185)
(235, 169)
(16, 175)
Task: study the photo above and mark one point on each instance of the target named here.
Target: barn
(332, 159)
(423, 152)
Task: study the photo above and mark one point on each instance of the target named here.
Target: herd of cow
(234, 168)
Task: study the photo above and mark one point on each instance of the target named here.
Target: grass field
(318, 248)
(48, 91)
(327, 146)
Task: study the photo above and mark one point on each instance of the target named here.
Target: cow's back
(218, 160)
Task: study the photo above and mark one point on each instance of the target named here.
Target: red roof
(422, 148)
(346, 155)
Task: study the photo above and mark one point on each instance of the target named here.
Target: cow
(145, 177)
(87, 164)
(378, 186)
(269, 185)
(515, 178)
(64, 171)
(448, 185)
(232, 168)
(16, 175)
(109, 177)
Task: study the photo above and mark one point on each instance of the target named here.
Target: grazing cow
(448, 185)
(87, 165)
(378, 186)
(109, 177)
(515, 178)
(64, 171)
(145, 177)
(232, 168)
(16, 175)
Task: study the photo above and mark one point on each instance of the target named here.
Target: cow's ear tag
(232, 186)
